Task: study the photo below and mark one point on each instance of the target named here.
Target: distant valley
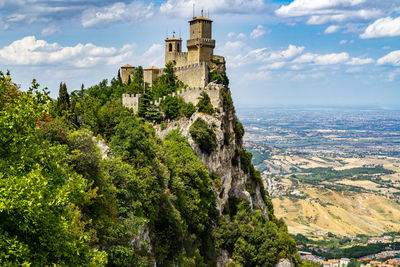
(329, 171)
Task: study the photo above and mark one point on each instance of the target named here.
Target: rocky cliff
(224, 163)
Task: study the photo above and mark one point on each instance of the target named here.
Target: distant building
(191, 67)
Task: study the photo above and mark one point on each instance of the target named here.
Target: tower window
(170, 47)
(177, 47)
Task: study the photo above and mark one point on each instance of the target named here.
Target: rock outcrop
(224, 162)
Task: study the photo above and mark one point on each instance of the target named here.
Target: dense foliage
(64, 202)
(204, 105)
(203, 135)
(40, 219)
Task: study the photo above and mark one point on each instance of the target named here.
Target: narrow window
(177, 47)
(170, 47)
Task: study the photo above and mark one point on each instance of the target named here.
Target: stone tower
(200, 45)
(173, 48)
(126, 70)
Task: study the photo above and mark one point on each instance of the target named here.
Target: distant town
(334, 176)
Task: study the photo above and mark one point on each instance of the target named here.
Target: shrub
(171, 107)
(188, 110)
(203, 135)
(239, 131)
(218, 78)
(204, 104)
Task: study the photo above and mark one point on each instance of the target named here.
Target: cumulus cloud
(342, 42)
(317, 59)
(258, 32)
(308, 7)
(274, 66)
(230, 48)
(30, 51)
(133, 12)
(393, 58)
(331, 29)
(231, 34)
(318, 12)
(183, 8)
(360, 61)
(241, 36)
(383, 27)
(51, 30)
(288, 53)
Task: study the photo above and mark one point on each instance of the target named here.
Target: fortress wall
(131, 101)
(192, 95)
(180, 58)
(149, 75)
(194, 75)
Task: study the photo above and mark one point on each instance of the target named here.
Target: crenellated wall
(179, 58)
(192, 94)
(194, 75)
(131, 101)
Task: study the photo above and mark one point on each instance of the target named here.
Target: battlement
(190, 66)
(201, 41)
(192, 94)
(131, 101)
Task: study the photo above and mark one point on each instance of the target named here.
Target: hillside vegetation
(85, 182)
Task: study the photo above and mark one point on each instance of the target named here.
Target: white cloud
(393, 58)
(308, 7)
(154, 56)
(288, 53)
(274, 66)
(331, 29)
(241, 36)
(343, 42)
(30, 51)
(133, 12)
(231, 34)
(184, 8)
(317, 59)
(51, 30)
(383, 27)
(345, 15)
(319, 12)
(261, 75)
(230, 48)
(360, 61)
(393, 75)
(258, 32)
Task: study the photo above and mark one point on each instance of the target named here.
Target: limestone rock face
(284, 263)
(223, 162)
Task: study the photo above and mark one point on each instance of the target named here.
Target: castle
(191, 67)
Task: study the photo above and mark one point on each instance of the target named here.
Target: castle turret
(200, 45)
(126, 71)
(173, 48)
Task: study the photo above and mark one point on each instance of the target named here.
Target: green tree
(40, 222)
(119, 77)
(63, 101)
(203, 135)
(171, 106)
(204, 105)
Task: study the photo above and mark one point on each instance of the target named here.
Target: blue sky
(298, 52)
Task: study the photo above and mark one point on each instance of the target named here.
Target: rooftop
(152, 68)
(127, 66)
(200, 18)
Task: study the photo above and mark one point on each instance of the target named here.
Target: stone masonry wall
(192, 94)
(131, 101)
(194, 75)
(179, 58)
